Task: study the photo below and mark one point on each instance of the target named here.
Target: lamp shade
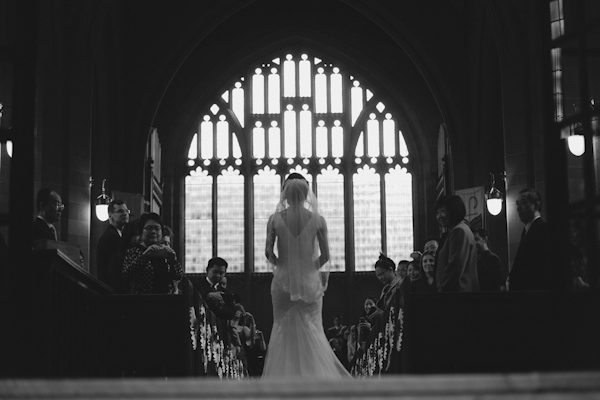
(102, 212)
(576, 144)
(494, 201)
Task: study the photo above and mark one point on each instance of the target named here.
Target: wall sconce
(102, 204)
(494, 197)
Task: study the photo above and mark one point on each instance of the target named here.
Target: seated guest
(243, 333)
(50, 207)
(428, 270)
(243, 323)
(338, 346)
(337, 330)
(418, 280)
(370, 310)
(457, 257)
(223, 286)
(385, 272)
(431, 244)
(489, 267)
(211, 291)
(151, 268)
(351, 343)
(402, 267)
(255, 354)
(369, 317)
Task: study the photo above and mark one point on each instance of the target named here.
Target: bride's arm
(323, 243)
(271, 241)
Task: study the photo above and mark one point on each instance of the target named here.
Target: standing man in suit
(532, 268)
(110, 244)
(50, 207)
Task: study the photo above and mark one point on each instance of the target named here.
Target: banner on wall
(474, 199)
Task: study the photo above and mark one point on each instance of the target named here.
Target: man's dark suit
(489, 272)
(41, 230)
(109, 245)
(223, 311)
(532, 268)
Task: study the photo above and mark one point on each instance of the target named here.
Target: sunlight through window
(292, 128)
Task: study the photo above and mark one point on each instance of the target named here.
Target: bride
(298, 250)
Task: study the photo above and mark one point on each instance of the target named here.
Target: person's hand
(150, 250)
(159, 251)
(216, 297)
(415, 255)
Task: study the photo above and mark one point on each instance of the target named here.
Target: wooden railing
(484, 333)
(56, 319)
(64, 323)
(61, 322)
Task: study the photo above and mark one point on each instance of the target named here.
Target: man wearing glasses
(50, 207)
(109, 243)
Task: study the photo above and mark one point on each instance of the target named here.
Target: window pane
(360, 146)
(266, 196)
(356, 100)
(337, 140)
(193, 151)
(330, 185)
(367, 218)
(206, 144)
(389, 136)
(289, 77)
(258, 140)
(289, 127)
(403, 147)
(258, 92)
(373, 136)
(321, 135)
(274, 140)
(321, 92)
(305, 78)
(230, 219)
(274, 92)
(399, 216)
(337, 102)
(222, 138)
(198, 221)
(235, 147)
(237, 104)
(305, 132)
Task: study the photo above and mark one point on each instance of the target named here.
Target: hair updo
(385, 262)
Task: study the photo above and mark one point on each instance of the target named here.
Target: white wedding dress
(298, 346)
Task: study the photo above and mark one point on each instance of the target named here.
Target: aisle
(506, 386)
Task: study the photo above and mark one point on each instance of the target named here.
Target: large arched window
(297, 113)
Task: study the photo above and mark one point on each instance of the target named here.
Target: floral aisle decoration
(384, 347)
(217, 359)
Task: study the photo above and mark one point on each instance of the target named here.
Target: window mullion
(383, 209)
(215, 219)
